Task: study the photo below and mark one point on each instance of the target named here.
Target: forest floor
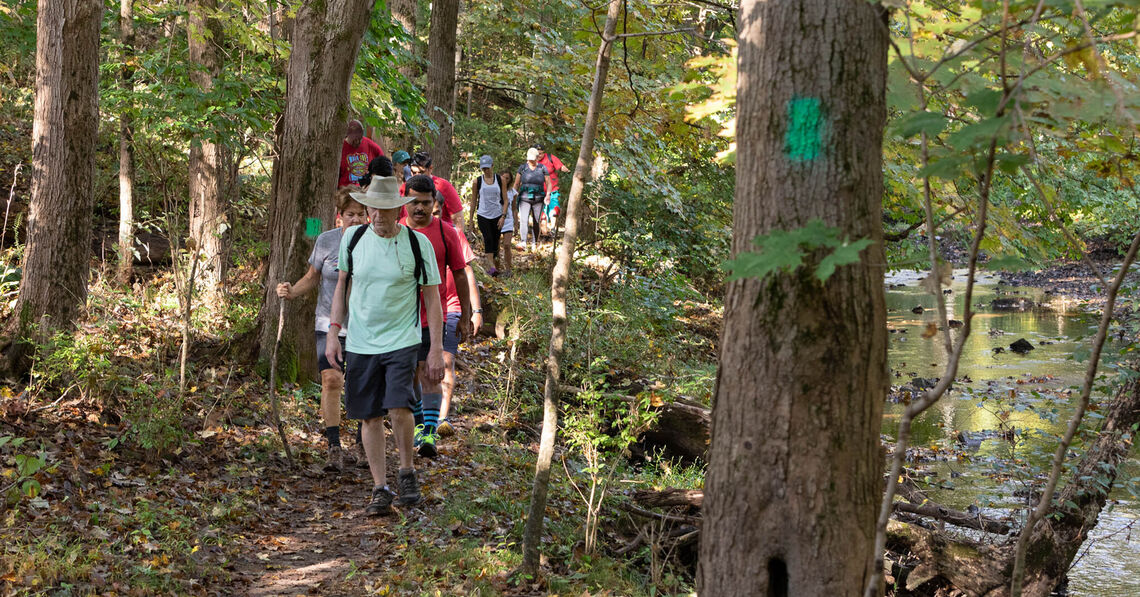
(95, 498)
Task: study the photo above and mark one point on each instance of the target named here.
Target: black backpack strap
(446, 255)
(419, 272)
(352, 242)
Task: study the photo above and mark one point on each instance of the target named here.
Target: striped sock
(417, 405)
(432, 402)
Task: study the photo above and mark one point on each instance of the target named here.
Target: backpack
(419, 272)
(479, 187)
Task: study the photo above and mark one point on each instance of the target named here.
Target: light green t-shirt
(382, 304)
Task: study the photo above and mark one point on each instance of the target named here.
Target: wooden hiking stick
(273, 359)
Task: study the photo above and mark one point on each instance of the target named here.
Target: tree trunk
(58, 250)
(441, 81)
(532, 534)
(210, 162)
(404, 12)
(326, 40)
(126, 146)
(795, 474)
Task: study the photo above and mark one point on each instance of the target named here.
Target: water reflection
(1003, 406)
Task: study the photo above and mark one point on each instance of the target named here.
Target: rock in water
(1018, 303)
(1022, 346)
(917, 310)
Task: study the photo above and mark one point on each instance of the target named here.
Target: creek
(998, 425)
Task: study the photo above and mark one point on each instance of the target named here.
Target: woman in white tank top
(489, 203)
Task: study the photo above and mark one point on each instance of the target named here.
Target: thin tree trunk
(126, 146)
(326, 39)
(532, 534)
(66, 122)
(404, 11)
(210, 161)
(795, 472)
(441, 81)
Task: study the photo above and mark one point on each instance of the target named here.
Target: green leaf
(947, 168)
(979, 133)
(842, 255)
(985, 101)
(915, 123)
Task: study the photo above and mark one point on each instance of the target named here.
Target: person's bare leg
(332, 382)
(403, 426)
(372, 432)
(508, 238)
(447, 385)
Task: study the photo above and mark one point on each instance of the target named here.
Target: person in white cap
(388, 264)
(531, 184)
(489, 206)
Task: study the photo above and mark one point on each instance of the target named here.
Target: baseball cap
(485, 161)
(401, 157)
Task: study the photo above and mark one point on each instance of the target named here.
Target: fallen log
(681, 429)
(954, 517)
(665, 498)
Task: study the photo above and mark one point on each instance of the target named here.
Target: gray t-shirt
(532, 182)
(324, 259)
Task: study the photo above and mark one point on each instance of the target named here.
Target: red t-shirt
(553, 167)
(448, 260)
(451, 203)
(354, 160)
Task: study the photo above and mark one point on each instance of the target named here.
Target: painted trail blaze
(312, 227)
(803, 140)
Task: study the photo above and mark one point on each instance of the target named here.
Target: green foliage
(22, 480)
(67, 361)
(786, 251)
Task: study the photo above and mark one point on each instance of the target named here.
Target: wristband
(476, 310)
(336, 324)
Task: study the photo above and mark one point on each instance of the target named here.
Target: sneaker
(418, 437)
(334, 460)
(409, 488)
(381, 504)
(427, 443)
(492, 272)
(445, 429)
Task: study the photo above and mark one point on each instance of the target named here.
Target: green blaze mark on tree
(312, 227)
(805, 129)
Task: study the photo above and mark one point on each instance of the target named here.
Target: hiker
(388, 264)
(510, 217)
(489, 207)
(553, 166)
(356, 153)
(323, 274)
(531, 184)
(454, 295)
(402, 161)
(421, 164)
(380, 166)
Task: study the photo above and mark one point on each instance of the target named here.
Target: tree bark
(532, 533)
(211, 163)
(404, 12)
(126, 146)
(326, 39)
(66, 122)
(441, 81)
(795, 473)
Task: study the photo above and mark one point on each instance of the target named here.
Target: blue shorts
(375, 383)
(553, 205)
(450, 337)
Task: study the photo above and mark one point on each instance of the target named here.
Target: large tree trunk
(560, 278)
(795, 473)
(56, 258)
(126, 146)
(211, 162)
(326, 39)
(404, 12)
(441, 81)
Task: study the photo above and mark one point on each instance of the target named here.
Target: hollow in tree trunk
(794, 479)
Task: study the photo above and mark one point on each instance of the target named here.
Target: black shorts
(490, 229)
(450, 337)
(322, 360)
(377, 383)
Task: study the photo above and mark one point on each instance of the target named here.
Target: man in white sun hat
(387, 263)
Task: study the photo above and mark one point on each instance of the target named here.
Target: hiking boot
(334, 460)
(427, 444)
(445, 429)
(381, 504)
(409, 488)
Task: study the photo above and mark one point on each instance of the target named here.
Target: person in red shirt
(454, 296)
(421, 164)
(355, 154)
(553, 166)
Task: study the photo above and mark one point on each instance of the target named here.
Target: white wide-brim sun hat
(383, 193)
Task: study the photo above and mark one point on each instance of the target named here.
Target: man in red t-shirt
(454, 296)
(355, 154)
(421, 164)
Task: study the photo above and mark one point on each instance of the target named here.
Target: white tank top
(490, 199)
